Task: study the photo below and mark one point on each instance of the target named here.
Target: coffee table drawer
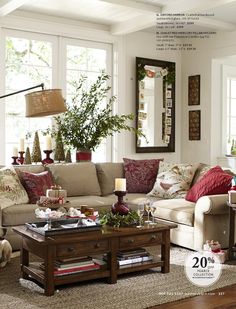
(140, 240)
(86, 248)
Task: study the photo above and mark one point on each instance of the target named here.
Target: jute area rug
(133, 291)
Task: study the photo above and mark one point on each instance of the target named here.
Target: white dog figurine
(5, 252)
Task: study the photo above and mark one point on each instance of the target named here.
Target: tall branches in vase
(88, 121)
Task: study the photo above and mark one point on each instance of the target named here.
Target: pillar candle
(48, 142)
(22, 144)
(15, 152)
(120, 184)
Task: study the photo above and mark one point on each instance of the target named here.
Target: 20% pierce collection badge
(203, 269)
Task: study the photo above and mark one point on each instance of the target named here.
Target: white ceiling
(126, 16)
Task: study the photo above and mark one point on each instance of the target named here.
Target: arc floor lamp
(42, 103)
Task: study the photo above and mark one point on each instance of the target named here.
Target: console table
(107, 240)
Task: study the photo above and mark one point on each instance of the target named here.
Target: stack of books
(138, 255)
(69, 266)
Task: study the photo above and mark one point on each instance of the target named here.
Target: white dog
(5, 252)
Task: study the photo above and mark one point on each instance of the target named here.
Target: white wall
(205, 61)
(143, 44)
(125, 49)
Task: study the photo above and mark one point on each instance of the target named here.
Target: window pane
(233, 126)
(96, 59)
(88, 62)
(28, 63)
(233, 107)
(76, 57)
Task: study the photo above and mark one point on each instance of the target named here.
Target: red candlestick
(47, 160)
(120, 207)
(20, 160)
(15, 161)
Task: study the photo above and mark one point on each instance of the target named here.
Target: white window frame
(58, 71)
(89, 44)
(30, 36)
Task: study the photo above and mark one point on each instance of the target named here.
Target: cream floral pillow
(11, 190)
(173, 180)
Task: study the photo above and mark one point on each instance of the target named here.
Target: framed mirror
(155, 105)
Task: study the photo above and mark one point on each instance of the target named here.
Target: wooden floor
(224, 298)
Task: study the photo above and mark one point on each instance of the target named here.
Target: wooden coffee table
(107, 240)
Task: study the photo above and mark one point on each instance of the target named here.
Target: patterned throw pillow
(215, 181)
(140, 174)
(36, 184)
(173, 180)
(11, 190)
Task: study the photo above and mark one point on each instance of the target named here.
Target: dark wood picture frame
(170, 66)
(194, 90)
(195, 125)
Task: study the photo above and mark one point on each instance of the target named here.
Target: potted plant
(86, 122)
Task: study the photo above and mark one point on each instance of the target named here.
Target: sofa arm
(212, 204)
(210, 219)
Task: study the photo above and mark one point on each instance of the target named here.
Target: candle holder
(20, 159)
(15, 161)
(120, 206)
(47, 160)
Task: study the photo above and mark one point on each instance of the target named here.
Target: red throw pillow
(36, 184)
(140, 174)
(215, 181)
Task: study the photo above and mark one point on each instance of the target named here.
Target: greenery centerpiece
(89, 119)
(118, 220)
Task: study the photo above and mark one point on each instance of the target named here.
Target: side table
(232, 245)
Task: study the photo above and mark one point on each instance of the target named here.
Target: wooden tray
(61, 226)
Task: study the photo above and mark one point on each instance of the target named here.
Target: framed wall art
(194, 90)
(194, 125)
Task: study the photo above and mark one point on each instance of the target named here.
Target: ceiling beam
(138, 6)
(134, 24)
(204, 6)
(145, 21)
(142, 22)
(8, 6)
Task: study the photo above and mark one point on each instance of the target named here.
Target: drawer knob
(153, 237)
(130, 241)
(97, 245)
(71, 249)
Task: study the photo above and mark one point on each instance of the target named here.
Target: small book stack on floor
(138, 255)
(75, 265)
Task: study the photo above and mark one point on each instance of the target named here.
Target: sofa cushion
(19, 214)
(11, 190)
(173, 180)
(31, 168)
(140, 174)
(200, 171)
(176, 210)
(215, 181)
(107, 172)
(76, 178)
(101, 202)
(36, 185)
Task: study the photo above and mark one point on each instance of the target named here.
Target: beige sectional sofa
(93, 185)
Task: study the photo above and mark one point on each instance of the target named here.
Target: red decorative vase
(83, 155)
